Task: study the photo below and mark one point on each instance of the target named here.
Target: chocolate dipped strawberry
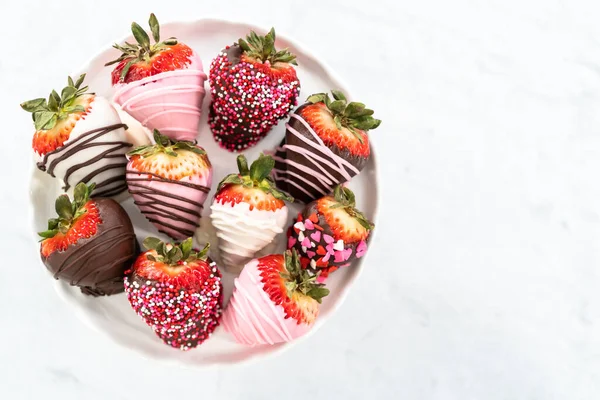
(330, 233)
(253, 86)
(90, 244)
(177, 291)
(161, 84)
(247, 212)
(326, 143)
(80, 138)
(274, 301)
(169, 182)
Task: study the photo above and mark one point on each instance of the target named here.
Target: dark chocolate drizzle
(110, 186)
(160, 207)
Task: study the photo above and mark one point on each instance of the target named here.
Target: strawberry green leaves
(68, 211)
(154, 27)
(354, 116)
(164, 144)
(174, 253)
(345, 199)
(257, 176)
(298, 279)
(143, 50)
(261, 168)
(47, 113)
(263, 48)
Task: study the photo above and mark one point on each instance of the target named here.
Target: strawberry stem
(68, 211)
(174, 253)
(47, 113)
(298, 279)
(353, 116)
(257, 176)
(164, 144)
(143, 50)
(263, 48)
(345, 199)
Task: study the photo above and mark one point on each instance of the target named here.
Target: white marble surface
(485, 278)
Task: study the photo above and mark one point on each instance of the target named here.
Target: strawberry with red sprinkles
(253, 86)
(177, 291)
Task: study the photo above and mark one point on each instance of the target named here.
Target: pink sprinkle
(342, 255)
(316, 236)
(328, 239)
(309, 224)
(361, 249)
(291, 242)
(306, 242)
(311, 254)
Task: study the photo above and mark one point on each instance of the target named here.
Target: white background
(484, 281)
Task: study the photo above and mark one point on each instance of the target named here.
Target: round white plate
(113, 315)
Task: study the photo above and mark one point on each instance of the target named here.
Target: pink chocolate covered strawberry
(177, 291)
(330, 232)
(274, 301)
(326, 143)
(170, 181)
(248, 212)
(253, 86)
(161, 84)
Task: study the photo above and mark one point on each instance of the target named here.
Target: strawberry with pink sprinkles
(177, 291)
(253, 86)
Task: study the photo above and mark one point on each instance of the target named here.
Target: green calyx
(298, 279)
(142, 50)
(263, 48)
(354, 116)
(68, 211)
(174, 253)
(345, 199)
(257, 176)
(47, 113)
(164, 144)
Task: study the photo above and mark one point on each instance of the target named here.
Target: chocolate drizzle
(308, 169)
(110, 186)
(97, 264)
(159, 211)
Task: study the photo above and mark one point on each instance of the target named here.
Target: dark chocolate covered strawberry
(253, 86)
(90, 244)
(177, 291)
(330, 232)
(326, 143)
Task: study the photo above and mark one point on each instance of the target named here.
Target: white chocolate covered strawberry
(80, 138)
(247, 212)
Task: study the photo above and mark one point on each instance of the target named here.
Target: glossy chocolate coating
(97, 264)
(300, 176)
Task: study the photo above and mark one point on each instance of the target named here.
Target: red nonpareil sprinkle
(181, 318)
(247, 101)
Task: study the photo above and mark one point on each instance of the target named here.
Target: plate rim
(342, 292)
